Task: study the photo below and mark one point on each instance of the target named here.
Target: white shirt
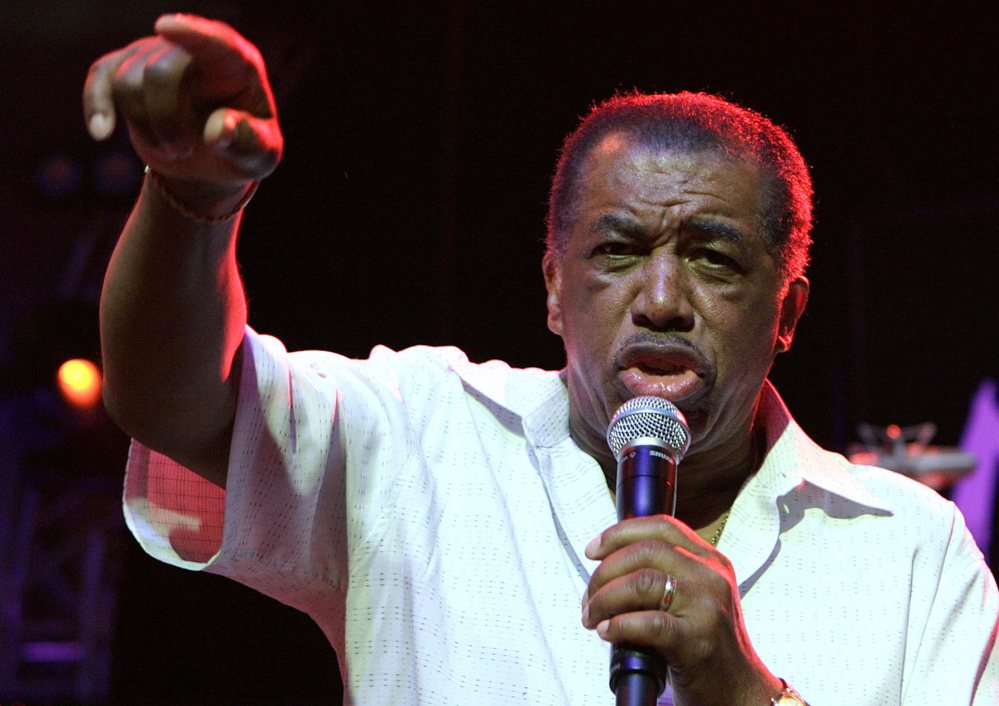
(430, 514)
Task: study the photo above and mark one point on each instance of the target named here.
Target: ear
(792, 306)
(553, 283)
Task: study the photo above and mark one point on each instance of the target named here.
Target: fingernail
(228, 132)
(100, 126)
(586, 613)
(592, 547)
(603, 627)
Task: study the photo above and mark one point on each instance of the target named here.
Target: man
(451, 526)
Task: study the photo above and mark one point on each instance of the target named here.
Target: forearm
(172, 318)
(200, 112)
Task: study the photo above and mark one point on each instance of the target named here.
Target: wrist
(200, 201)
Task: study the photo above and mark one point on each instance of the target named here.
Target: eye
(613, 250)
(716, 260)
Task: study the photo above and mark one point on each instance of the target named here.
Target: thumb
(252, 145)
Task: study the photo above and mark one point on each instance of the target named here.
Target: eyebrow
(609, 223)
(718, 230)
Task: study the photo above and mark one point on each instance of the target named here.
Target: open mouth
(656, 368)
(675, 386)
(670, 371)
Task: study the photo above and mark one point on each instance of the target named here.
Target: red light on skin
(80, 383)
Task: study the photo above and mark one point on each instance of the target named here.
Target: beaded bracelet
(184, 210)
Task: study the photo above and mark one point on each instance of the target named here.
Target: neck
(707, 483)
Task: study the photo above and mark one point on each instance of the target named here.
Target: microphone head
(651, 418)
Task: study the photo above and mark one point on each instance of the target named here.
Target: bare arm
(200, 113)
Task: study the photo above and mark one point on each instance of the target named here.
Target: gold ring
(669, 590)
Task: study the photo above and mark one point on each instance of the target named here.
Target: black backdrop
(410, 205)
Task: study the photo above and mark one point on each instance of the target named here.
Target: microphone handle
(646, 485)
(646, 482)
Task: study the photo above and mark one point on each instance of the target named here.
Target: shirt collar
(540, 399)
(792, 458)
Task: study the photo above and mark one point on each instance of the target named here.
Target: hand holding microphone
(666, 599)
(648, 437)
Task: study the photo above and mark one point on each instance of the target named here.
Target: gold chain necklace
(721, 528)
(754, 453)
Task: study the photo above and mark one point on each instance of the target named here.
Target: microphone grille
(649, 417)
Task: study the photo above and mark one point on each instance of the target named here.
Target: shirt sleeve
(280, 525)
(957, 659)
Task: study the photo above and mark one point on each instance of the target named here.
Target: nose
(662, 300)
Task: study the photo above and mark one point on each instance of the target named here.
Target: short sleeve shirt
(430, 514)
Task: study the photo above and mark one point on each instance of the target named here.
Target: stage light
(58, 176)
(117, 173)
(80, 383)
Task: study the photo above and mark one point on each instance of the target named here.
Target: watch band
(787, 697)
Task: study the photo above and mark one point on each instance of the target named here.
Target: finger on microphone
(603, 629)
(592, 549)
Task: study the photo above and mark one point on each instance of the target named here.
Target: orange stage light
(80, 383)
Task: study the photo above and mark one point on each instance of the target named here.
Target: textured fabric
(430, 514)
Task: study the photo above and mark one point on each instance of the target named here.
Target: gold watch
(787, 697)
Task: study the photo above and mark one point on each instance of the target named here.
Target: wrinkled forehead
(620, 163)
(620, 148)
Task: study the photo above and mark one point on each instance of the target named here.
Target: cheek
(594, 306)
(590, 327)
(741, 325)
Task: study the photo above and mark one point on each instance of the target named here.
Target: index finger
(207, 39)
(659, 527)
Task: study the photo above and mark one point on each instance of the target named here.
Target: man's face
(666, 289)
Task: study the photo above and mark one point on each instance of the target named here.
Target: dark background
(410, 205)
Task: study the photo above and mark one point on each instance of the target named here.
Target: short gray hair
(691, 123)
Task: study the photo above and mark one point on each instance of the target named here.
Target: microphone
(648, 437)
